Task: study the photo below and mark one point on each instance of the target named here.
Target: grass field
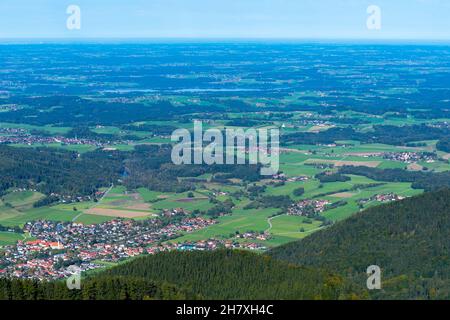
(22, 200)
(292, 227)
(36, 214)
(8, 238)
(181, 200)
(241, 220)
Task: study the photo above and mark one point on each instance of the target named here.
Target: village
(388, 197)
(308, 207)
(23, 137)
(409, 157)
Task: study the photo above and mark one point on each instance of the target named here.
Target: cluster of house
(60, 245)
(9, 107)
(409, 157)
(12, 131)
(440, 125)
(20, 136)
(219, 193)
(283, 177)
(313, 122)
(73, 199)
(214, 244)
(308, 207)
(262, 236)
(386, 197)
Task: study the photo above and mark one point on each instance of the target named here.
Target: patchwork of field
(341, 163)
(116, 203)
(16, 208)
(117, 213)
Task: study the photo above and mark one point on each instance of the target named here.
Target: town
(58, 246)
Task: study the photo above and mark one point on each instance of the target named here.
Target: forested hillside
(193, 275)
(57, 171)
(409, 240)
(236, 275)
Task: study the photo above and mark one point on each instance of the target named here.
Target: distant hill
(409, 240)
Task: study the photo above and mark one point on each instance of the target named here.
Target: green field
(8, 238)
(290, 228)
(241, 220)
(21, 199)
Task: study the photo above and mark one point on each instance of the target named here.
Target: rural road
(96, 204)
(269, 221)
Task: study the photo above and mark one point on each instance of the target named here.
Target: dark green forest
(101, 288)
(393, 135)
(57, 171)
(226, 274)
(409, 240)
(444, 144)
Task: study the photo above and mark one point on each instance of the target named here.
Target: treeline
(427, 181)
(393, 135)
(97, 288)
(444, 145)
(280, 202)
(14, 229)
(220, 208)
(325, 177)
(408, 240)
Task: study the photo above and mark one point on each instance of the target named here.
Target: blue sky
(302, 19)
